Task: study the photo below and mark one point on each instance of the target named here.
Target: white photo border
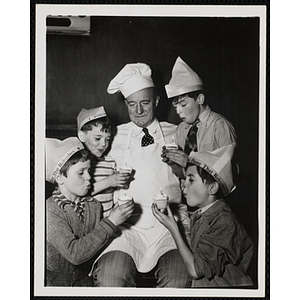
(42, 10)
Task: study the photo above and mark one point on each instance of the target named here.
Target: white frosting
(125, 198)
(125, 169)
(160, 196)
(171, 146)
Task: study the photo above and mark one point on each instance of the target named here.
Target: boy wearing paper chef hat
(95, 132)
(220, 249)
(201, 129)
(75, 229)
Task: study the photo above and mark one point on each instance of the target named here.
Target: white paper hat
(218, 164)
(57, 154)
(87, 115)
(184, 80)
(132, 78)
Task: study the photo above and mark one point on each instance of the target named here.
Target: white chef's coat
(142, 236)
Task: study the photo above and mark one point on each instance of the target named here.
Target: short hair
(206, 178)
(193, 95)
(105, 122)
(80, 156)
(204, 175)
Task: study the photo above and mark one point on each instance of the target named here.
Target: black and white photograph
(150, 150)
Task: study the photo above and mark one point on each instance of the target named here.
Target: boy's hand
(176, 156)
(165, 159)
(119, 180)
(168, 156)
(167, 220)
(120, 213)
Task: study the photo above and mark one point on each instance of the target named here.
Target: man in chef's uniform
(143, 243)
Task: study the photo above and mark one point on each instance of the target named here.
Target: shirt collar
(209, 210)
(152, 128)
(61, 200)
(202, 117)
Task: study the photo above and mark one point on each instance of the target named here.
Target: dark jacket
(221, 246)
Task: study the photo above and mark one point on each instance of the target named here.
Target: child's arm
(118, 180)
(169, 222)
(166, 158)
(78, 250)
(177, 156)
(119, 214)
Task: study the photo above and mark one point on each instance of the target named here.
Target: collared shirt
(214, 131)
(119, 144)
(152, 128)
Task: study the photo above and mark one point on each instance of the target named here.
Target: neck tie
(147, 138)
(79, 208)
(191, 139)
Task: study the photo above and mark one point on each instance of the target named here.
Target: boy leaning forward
(75, 229)
(201, 129)
(220, 251)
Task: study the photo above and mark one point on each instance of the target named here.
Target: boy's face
(77, 183)
(195, 190)
(187, 108)
(96, 140)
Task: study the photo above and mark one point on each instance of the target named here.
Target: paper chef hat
(184, 80)
(218, 164)
(57, 154)
(132, 78)
(87, 115)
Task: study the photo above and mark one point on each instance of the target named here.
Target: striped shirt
(102, 168)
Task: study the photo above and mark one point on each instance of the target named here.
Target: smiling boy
(95, 132)
(75, 230)
(220, 250)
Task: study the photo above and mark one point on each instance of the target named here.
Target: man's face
(77, 182)
(96, 140)
(187, 108)
(141, 107)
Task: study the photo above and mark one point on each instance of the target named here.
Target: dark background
(223, 51)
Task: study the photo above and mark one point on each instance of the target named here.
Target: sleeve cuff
(109, 225)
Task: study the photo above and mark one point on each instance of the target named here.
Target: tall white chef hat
(218, 164)
(184, 80)
(132, 78)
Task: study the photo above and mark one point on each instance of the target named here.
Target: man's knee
(171, 271)
(115, 269)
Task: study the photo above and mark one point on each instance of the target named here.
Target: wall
(223, 51)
